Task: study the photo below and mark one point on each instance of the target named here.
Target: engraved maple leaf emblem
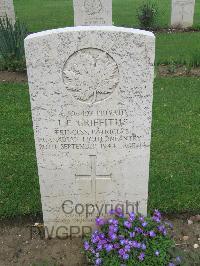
(91, 75)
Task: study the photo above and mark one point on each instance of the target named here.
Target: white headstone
(91, 92)
(92, 12)
(7, 9)
(182, 13)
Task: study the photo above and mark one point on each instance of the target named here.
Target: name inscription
(87, 130)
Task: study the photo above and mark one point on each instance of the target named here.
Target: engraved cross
(93, 177)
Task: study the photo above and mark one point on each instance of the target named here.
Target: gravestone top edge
(89, 28)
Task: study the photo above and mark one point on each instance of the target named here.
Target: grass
(178, 47)
(175, 164)
(19, 187)
(174, 172)
(197, 13)
(48, 14)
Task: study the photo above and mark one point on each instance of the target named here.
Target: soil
(175, 30)
(19, 248)
(177, 71)
(14, 77)
(169, 30)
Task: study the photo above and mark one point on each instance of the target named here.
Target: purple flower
(171, 264)
(108, 247)
(134, 244)
(152, 234)
(99, 247)
(143, 247)
(132, 214)
(113, 228)
(116, 246)
(86, 245)
(98, 261)
(122, 242)
(144, 224)
(131, 217)
(97, 255)
(156, 219)
(130, 243)
(118, 212)
(157, 253)
(157, 213)
(121, 252)
(127, 248)
(161, 228)
(141, 256)
(103, 242)
(127, 224)
(111, 212)
(141, 219)
(139, 230)
(132, 234)
(95, 239)
(113, 236)
(100, 221)
(115, 222)
(125, 256)
(101, 236)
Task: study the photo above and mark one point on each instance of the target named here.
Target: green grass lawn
(48, 14)
(175, 167)
(175, 158)
(19, 188)
(178, 47)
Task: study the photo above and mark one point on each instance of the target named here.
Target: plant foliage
(132, 240)
(12, 37)
(147, 14)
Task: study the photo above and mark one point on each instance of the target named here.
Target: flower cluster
(132, 239)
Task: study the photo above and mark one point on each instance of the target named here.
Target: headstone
(92, 12)
(7, 9)
(91, 92)
(182, 13)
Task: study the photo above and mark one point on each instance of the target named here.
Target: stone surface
(7, 8)
(92, 12)
(182, 13)
(91, 97)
